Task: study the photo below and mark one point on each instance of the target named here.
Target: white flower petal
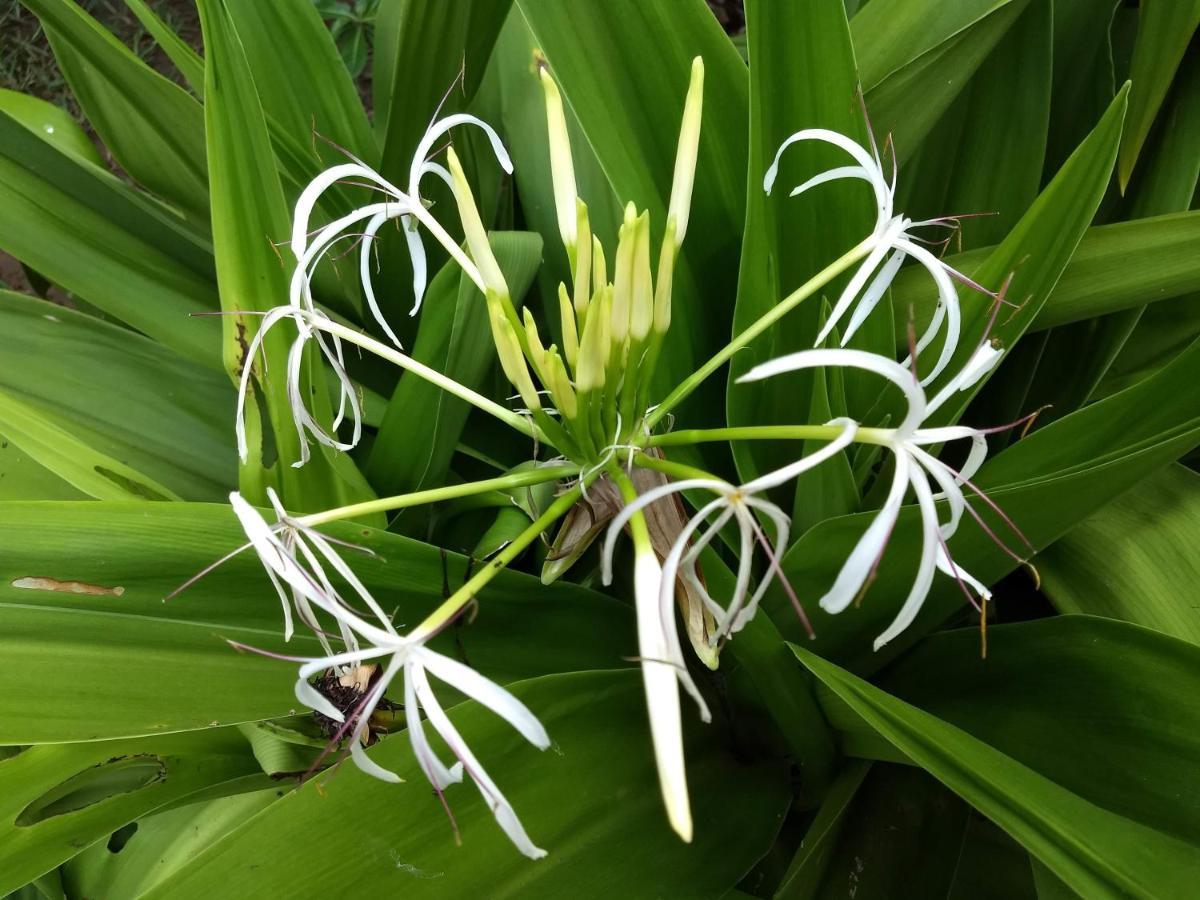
(926, 567)
(873, 294)
(661, 682)
(862, 558)
(788, 472)
(855, 359)
(435, 132)
(486, 692)
(439, 776)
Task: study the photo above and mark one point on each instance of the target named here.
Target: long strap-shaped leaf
(1095, 851)
(249, 214)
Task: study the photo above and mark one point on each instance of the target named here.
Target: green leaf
(1048, 695)
(153, 128)
(890, 34)
(1038, 249)
(53, 123)
(85, 230)
(182, 56)
(1097, 569)
(811, 861)
(122, 395)
(302, 85)
(1096, 851)
(248, 214)
(1115, 267)
(908, 102)
(591, 800)
(23, 478)
(84, 467)
(1164, 30)
(163, 843)
(419, 49)
(71, 571)
(788, 240)
(57, 799)
(984, 156)
(454, 338)
(623, 68)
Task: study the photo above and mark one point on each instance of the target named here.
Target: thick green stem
(380, 349)
(769, 318)
(766, 433)
(678, 471)
(465, 594)
(437, 495)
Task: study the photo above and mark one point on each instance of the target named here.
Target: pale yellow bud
(570, 334)
(560, 385)
(475, 233)
(562, 168)
(663, 284)
(599, 268)
(594, 344)
(537, 352)
(623, 279)
(512, 361)
(583, 258)
(641, 312)
(686, 152)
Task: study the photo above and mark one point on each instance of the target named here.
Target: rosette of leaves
(143, 757)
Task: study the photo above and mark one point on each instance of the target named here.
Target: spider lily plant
(616, 454)
(590, 402)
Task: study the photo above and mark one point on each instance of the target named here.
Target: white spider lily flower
(914, 466)
(893, 234)
(732, 502)
(415, 662)
(306, 424)
(295, 555)
(407, 205)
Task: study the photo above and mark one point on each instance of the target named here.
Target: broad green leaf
(1077, 357)
(298, 75)
(1096, 851)
(1098, 568)
(1163, 332)
(889, 34)
(24, 478)
(91, 471)
(1047, 483)
(182, 56)
(623, 69)
(984, 156)
(163, 843)
(52, 123)
(71, 571)
(153, 128)
(1164, 30)
(1038, 249)
(591, 801)
(908, 102)
(807, 868)
(122, 395)
(454, 338)
(419, 49)
(1115, 267)
(57, 799)
(248, 214)
(1049, 696)
(789, 239)
(86, 231)
(1084, 75)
